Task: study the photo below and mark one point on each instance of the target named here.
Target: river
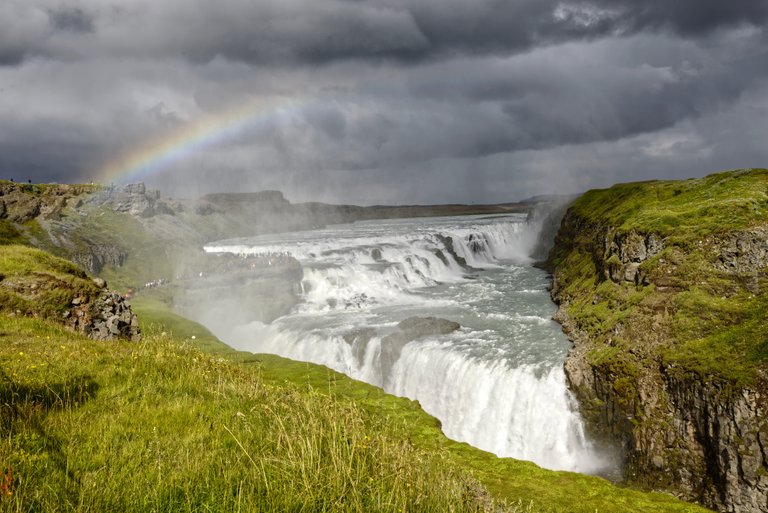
(496, 383)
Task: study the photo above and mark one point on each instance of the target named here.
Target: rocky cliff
(36, 284)
(663, 288)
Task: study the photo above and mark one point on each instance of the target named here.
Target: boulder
(409, 330)
(416, 327)
(108, 317)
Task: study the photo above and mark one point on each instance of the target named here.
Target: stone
(113, 325)
(133, 199)
(417, 327)
(107, 317)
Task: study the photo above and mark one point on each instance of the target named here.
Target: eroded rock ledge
(669, 355)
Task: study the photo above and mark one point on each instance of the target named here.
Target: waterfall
(497, 383)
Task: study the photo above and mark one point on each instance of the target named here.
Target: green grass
(158, 426)
(701, 313)
(736, 328)
(683, 210)
(37, 283)
(162, 426)
(9, 234)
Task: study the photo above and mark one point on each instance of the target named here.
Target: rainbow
(193, 137)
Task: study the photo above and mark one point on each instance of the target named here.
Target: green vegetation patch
(681, 209)
(157, 426)
(36, 283)
(733, 343)
(9, 234)
(693, 313)
(523, 486)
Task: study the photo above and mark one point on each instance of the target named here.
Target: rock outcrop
(107, 316)
(97, 256)
(20, 203)
(624, 254)
(669, 355)
(37, 284)
(134, 199)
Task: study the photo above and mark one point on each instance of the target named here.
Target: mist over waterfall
(496, 382)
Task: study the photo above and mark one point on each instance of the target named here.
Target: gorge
(660, 286)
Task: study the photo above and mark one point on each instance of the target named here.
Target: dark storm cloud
(48, 152)
(566, 95)
(322, 31)
(444, 98)
(490, 26)
(685, 17)
(71, 19)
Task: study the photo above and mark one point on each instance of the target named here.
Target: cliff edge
(663, 288)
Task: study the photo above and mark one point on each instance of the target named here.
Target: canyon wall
(663, 289)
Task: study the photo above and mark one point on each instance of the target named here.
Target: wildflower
(6, 483)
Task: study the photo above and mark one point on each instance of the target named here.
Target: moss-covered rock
(662, 288)
(34, 283)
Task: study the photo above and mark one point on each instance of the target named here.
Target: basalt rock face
(626, 253)
(646, 311)
(134, 199)
(20, 203)
(99, 255)
(108, 316)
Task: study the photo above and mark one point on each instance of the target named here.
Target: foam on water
(497, 383)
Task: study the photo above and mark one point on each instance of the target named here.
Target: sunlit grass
(181, 422)
(162, 426)
(154, 426)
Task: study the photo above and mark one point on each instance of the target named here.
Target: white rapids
(497, 383)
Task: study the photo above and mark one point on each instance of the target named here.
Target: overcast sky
(386, 101)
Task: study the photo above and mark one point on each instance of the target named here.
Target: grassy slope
(703, 314)
(158, 427)
(35, 283)
(516, 482)
(163, 426)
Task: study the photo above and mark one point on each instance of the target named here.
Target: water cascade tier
(496, 382)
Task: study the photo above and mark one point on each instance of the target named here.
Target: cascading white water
(496, 383)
